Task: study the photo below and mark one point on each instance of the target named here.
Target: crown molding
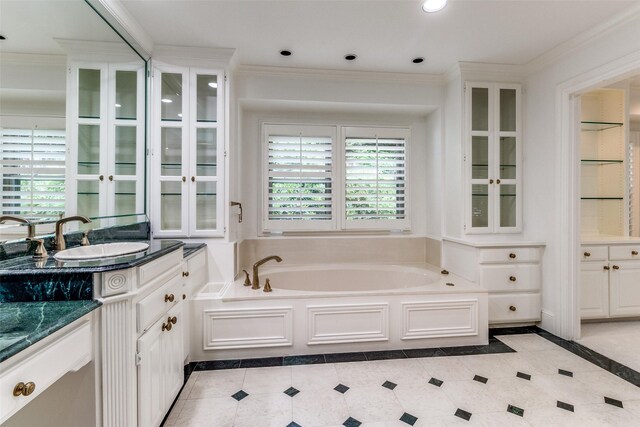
(99, 51)
(11, 58)
(554, 54)
(492, 72)
(328, 74)
(194, 56)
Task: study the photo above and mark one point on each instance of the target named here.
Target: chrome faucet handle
(41, 251)
(247, 281)
(85, 238)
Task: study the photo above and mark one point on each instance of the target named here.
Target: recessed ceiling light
(213, 85)
(166, 100)
(418, 60)
(285, 52)
(350, 57)
(431, 6)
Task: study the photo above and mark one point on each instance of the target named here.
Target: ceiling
(385, 35)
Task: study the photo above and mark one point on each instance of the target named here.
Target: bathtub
(337, 308)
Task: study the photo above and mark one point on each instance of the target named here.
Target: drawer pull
(184, 296)
(512, 278)
(169, 297)
(173, 320)
(512, 255)
(512, 307)
(166, 326)
(24, 389)
(634, 253)
(606, 267)
(615, 267)
(587, 254)
(185, 274)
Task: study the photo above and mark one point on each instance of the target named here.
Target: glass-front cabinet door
(493, 158)
(188, 152)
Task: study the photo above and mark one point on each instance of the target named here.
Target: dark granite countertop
(25, 323)
(191, 248)
(26, 264)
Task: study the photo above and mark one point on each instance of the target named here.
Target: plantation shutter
(376, 190)
(299, 172)
(32, 171)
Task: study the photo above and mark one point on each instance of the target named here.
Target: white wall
(542, 192)
(453, 185)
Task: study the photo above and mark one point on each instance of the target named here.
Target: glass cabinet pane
(480, 108)
(171, 152)
(88, 196)
(508, 110)
(508, 157)
(125, 198)
(206, 205)
(507, 205)
(171, 97)
(126, 94)
(171, 205)
(88, 93)
(88, 149)
(207, 98)
(125, 150)
(206, 152)
(479, 157)
(480, 205)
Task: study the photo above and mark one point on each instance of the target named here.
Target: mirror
(72, 115)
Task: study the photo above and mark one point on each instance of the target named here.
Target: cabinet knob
(185, 274)
(490, 181)
(606, 267)
(497, 181)
(587, 254)
(512, 278)
(166, 326)
(184, 296)
(22, 389)
(110, 177)
(512, 255)
(101, 177)
(615, 267)
(193, 179)
(184, 179)
(634, 253)
(169, 297)
(512, 307)
(172, 320)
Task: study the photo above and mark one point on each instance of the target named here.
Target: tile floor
(541, 384)
(619, 341)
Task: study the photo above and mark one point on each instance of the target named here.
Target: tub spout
(256, 278)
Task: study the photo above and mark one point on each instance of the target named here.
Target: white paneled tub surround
(338, 308)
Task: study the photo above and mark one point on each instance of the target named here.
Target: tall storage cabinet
(105, 174)
(188, 152)
(492, 157)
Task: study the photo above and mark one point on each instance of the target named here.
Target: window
(313, 183)
(32, 171)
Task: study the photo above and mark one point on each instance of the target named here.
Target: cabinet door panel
(174, 355)
(594, 291)
(152, 403)
(624, 291)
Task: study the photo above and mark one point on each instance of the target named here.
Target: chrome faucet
(59, 239)
(31, 228)
(256, 278)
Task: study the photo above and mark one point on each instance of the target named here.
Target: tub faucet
(31, 228)
(59, 239)
(256, 278)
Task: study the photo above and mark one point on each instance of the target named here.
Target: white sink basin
(103, 250)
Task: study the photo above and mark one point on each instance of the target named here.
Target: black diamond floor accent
(565, 373)
(389, 385)
(351, 422)
(240, 395)
(408, 418)
(293, 424)
(461, 413)
(567, 406)
(291, 391)
(480, 379)
(523, 376)
(341, 388)
(515, 410)
(436, 382)
(614, 402)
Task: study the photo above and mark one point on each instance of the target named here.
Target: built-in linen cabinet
(188, 152)
(105, 174)
(492, 157)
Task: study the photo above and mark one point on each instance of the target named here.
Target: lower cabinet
(160, 367)
(624, 289)
(594, 290)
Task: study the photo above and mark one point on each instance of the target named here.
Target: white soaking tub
(338, 308)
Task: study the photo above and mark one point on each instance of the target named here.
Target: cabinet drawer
(68, 353)
(153, 269)
(624, 252)
(594, 253)
(506, 308)
(510, 278)
(159, 301)
(509, 255)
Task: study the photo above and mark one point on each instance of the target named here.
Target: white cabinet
(624, 289)
(594, 290)
(160, 367)
(105, 128)
(188, 152)
(492, 158)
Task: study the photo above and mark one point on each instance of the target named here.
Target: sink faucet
(256, 278)
(31, 228)
(59, 239)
